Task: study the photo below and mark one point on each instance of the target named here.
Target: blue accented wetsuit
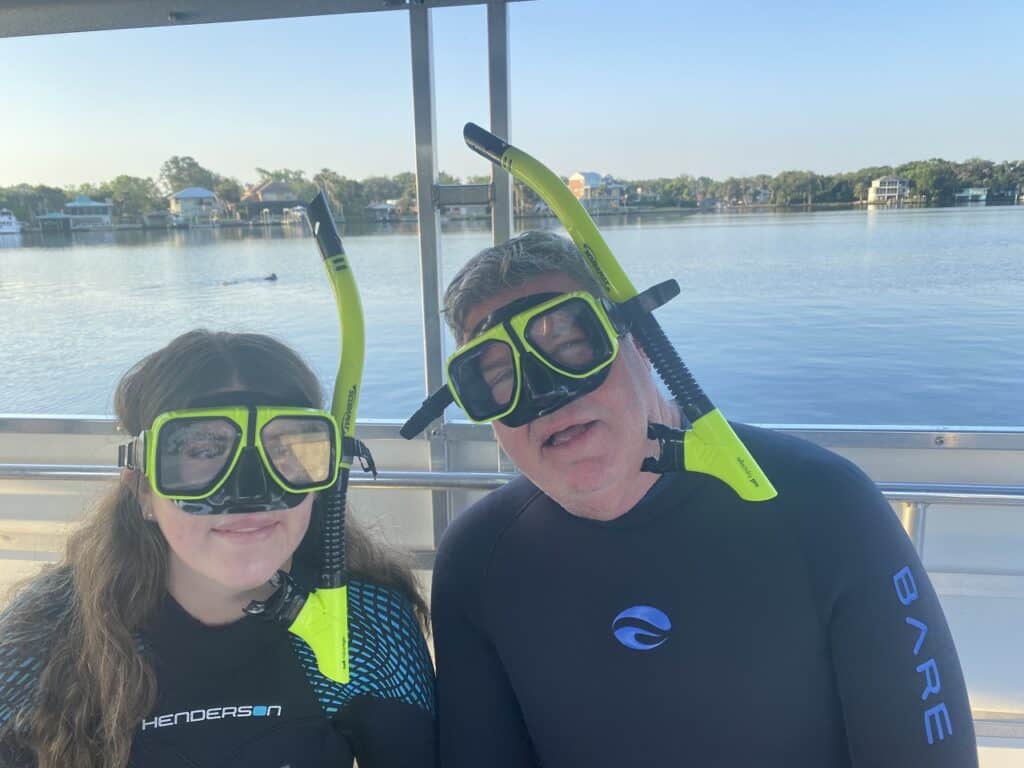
(249, 693)
(696, 629)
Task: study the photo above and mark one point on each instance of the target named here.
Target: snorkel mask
(236, 457)
(533, 356)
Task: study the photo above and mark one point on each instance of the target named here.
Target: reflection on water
(892, 316)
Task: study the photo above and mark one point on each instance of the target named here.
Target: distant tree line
(933, 182)
(133, 196)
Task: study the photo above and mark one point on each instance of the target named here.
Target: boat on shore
(9, 224)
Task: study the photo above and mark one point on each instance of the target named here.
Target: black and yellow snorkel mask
(530, 358)
(236, 459)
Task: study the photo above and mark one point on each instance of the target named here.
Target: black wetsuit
(249, 693)
(696, 629)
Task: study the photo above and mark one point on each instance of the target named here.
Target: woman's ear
(136, 484)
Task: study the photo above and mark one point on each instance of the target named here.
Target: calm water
(880, 317)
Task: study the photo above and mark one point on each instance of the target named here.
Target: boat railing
(957, 492)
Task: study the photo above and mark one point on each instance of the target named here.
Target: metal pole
(912, 517)
(422, 49)
(497, 56)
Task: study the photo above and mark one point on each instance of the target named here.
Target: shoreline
(640, 211)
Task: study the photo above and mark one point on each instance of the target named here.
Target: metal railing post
(497, 58)
(912, 517)
(425, 124)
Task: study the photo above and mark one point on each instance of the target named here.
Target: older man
(593, 614)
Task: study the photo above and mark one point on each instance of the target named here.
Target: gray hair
(509, 265)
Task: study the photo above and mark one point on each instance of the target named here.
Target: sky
(638, 89)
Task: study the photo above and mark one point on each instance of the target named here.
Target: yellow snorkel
(710, 446)
(323, 621)
(320, 617)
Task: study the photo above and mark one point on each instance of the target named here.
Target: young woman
(135, 649)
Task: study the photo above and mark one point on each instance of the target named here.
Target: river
(912, 317)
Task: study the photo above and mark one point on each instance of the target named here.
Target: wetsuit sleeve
(19, 680)
(480, 721)
(390, 734)
(390, 719)
(902, 690)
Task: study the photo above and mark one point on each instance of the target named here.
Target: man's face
(587, 454)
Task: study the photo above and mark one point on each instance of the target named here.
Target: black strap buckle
(353, 448)
(670, 450)
(129, 455)
(284, 605)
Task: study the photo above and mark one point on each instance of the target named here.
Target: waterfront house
(54, 221)
(971, 195)
(1005, 196)
(599, 194)
(888, 190)
(759, 196)
(81, 213)
(86, 213)
(382, 211)
(195, 207)
(156, 220)
(267, 202)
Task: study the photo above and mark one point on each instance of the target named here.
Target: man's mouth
(567, 435)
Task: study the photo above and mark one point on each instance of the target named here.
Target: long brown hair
(82, 615)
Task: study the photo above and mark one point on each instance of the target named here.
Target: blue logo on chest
(642, 627)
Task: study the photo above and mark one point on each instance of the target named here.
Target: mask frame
(510, 326)
(249, 421)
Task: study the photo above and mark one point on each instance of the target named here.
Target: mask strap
(353, 448)
(624, 315)
(431, 408)
(126, 455)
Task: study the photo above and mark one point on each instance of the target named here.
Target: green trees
(131, 196)
(934, 182)
(27, 200)
(177, 173)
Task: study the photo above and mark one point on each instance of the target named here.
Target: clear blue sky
(636, 89)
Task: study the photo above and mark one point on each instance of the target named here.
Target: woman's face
(231, 554)
(227, 558)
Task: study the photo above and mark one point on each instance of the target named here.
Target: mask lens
(194, 454)
(570, 337)
(485, 378)
(300, 449)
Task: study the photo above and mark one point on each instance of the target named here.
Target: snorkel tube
(323, 621)
(710, 446)
(320, 617)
